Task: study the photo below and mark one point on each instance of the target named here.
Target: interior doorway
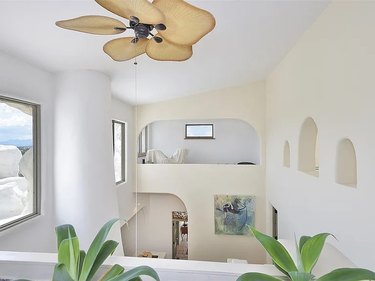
(275, 223)
(180, 235)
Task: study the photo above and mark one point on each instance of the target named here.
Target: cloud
(14, 124)
(12, 117)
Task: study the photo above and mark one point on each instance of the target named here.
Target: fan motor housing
(142, 30)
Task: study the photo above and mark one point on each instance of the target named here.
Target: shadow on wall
(215, 141)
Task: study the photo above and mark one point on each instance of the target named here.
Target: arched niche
(308, 154)
(346, 163)
(286, 159)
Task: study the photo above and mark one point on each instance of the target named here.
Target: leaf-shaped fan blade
(167, 51)
(142, 9)
(122, 49)
(94, 25)
(186, 24)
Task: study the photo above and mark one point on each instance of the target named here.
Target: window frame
(199, 137)
(37, 196)
(144, 131)
(123, 149)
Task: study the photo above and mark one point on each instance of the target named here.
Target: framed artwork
(234, 214)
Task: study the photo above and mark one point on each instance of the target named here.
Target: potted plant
(308, 251)
(77, 265)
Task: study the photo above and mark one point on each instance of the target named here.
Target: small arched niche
(346, 163)
(286, 160)
(308, 154)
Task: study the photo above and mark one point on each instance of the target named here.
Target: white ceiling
(250, 39)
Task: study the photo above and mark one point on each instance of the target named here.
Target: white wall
(328, 75)
(235, 141)
(84, 171)
(197, 184)
(26, 82)
(126, 197)
(154, 222)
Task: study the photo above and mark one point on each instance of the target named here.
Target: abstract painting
(234, 214)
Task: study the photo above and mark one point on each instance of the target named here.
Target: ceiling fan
(163, 29)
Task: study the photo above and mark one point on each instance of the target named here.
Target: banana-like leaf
(136, 272)
(60, 273)
(107, 249)
(278, 253)
(62, 233)
(82, 255)
(301, 276)
(311, 250)
(94, 250)
(136, 279)
(69, 256)
(348, 274)
(302, 242)
(113, 272)
(254, 276)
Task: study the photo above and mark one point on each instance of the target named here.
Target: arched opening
(286, 160)
(155, 217)
(308, 156)
(208, 141)
(346, 163)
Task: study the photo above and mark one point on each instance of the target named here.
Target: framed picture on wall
(234, 214)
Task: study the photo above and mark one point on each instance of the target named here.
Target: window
(19, 161)
(143, 142)
(118, 132)
(199, 131)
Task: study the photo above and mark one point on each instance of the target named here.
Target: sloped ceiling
(250, 39)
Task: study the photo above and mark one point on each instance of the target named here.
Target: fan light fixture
(165, 29)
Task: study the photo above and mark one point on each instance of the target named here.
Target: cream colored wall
(329, 76)
(196, 184)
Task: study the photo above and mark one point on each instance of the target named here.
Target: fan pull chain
(136, 138)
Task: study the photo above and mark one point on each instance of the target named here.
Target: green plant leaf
(276, 250)
(348, 274)
(302, 242)
(311, 250)
(82, 255)
(254, 276)
(69, 256)
(298, 254)
(107, 249)
(136, 272)
(62, 233)
(280, 269)
(301, 276)
(60, 273)
(94, 250)
(113, 272)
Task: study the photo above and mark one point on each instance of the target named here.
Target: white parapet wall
(39, 267)
(196, 185)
